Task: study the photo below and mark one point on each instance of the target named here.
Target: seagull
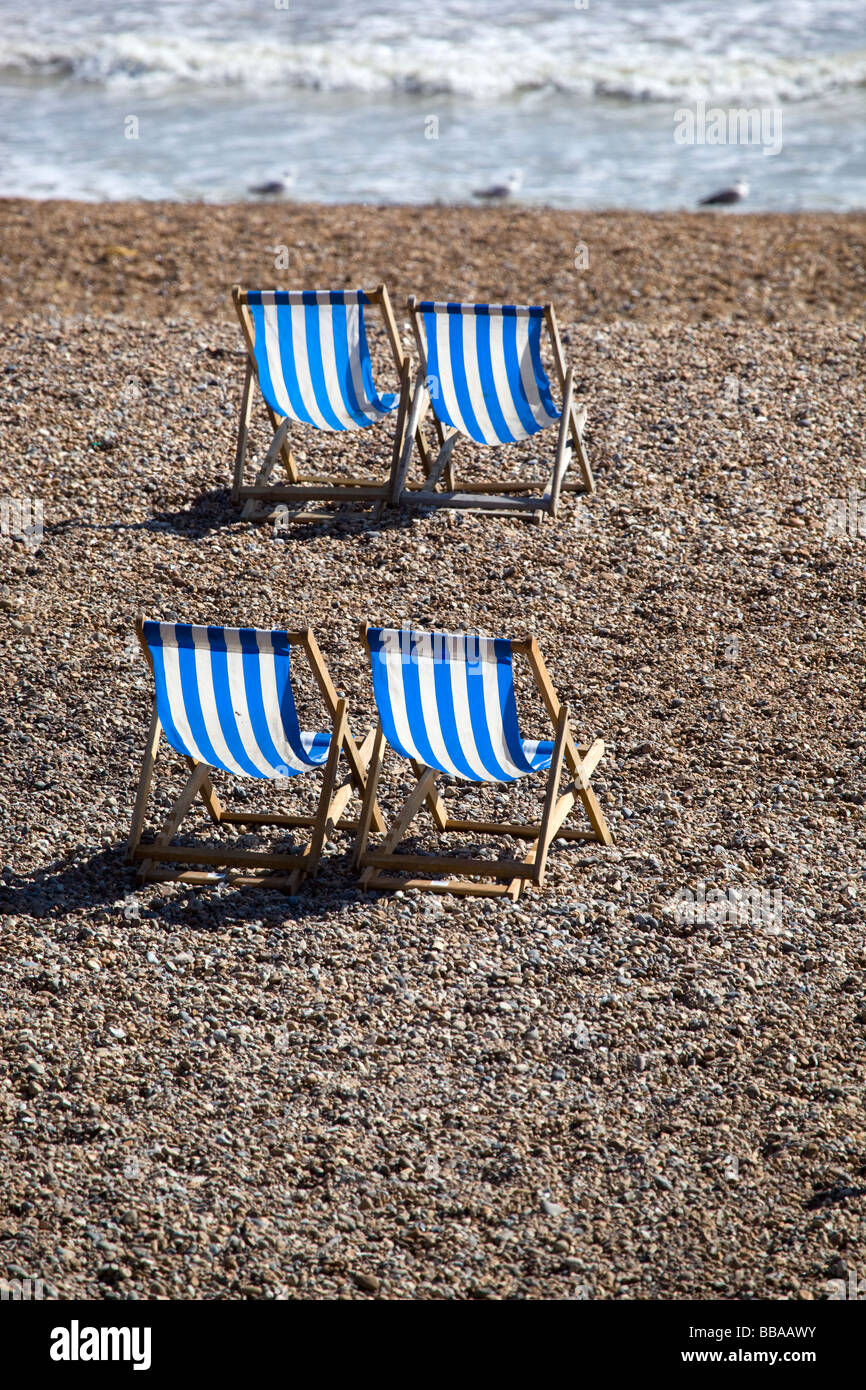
(726, 196)
(272, 188)
(497, 192)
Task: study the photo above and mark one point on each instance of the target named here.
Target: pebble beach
(229, 1093)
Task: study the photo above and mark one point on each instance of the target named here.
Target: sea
(421, 102)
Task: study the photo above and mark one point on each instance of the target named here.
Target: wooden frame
(263, 496)
(156, 857)
(509, 876)
(501, 496)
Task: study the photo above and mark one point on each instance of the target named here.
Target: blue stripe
(458, 376)
(478, 719)
(314, 362)
(163, 708)
(381, 693)
(414, 709)
(542, 757)
(189, 689)
(223, 700)
(334, 344)
(226, 714)
(488, 383)
(286, 341)
(455, 306)
(539, 373)
(472, 672)
(447, 720)
(384, 403)
(255, 699)
(508, 705)
(440, 409)
(263, 371)
(287, 363)
(515, 382)
(343, 364)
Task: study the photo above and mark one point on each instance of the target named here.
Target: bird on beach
(273, 188)
(725, 197)
(498, 192)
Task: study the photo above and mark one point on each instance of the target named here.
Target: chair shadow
(107, 881)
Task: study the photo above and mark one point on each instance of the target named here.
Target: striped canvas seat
(447, 701)
(484, 370)
(312, 357)
(224, 698)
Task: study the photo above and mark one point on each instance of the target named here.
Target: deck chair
(482, 375)
(446, 705)
(308, 352)
(224, 701)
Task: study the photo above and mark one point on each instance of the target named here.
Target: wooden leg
(263, 477)
(144, 782)
(400, 428)
(243, 430)
(435, 803)
(368, 801)
(285, 452)
(409, 810)
(441, 463)
(314, 849)
(398, 480)
(323, 680)
(181, 805)
(208, 795)
(545, 834)
(561, 462)
(578, 420)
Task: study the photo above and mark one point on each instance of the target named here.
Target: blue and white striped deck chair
(482, 375)
(446, 705)
(224, 702)
(308, 351)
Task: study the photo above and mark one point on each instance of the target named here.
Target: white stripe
(500, 377)
(271, 702)
(426, 683)
(302, 366)
(204, 683)
(473, 378)
(171, 666)
(275, 366)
